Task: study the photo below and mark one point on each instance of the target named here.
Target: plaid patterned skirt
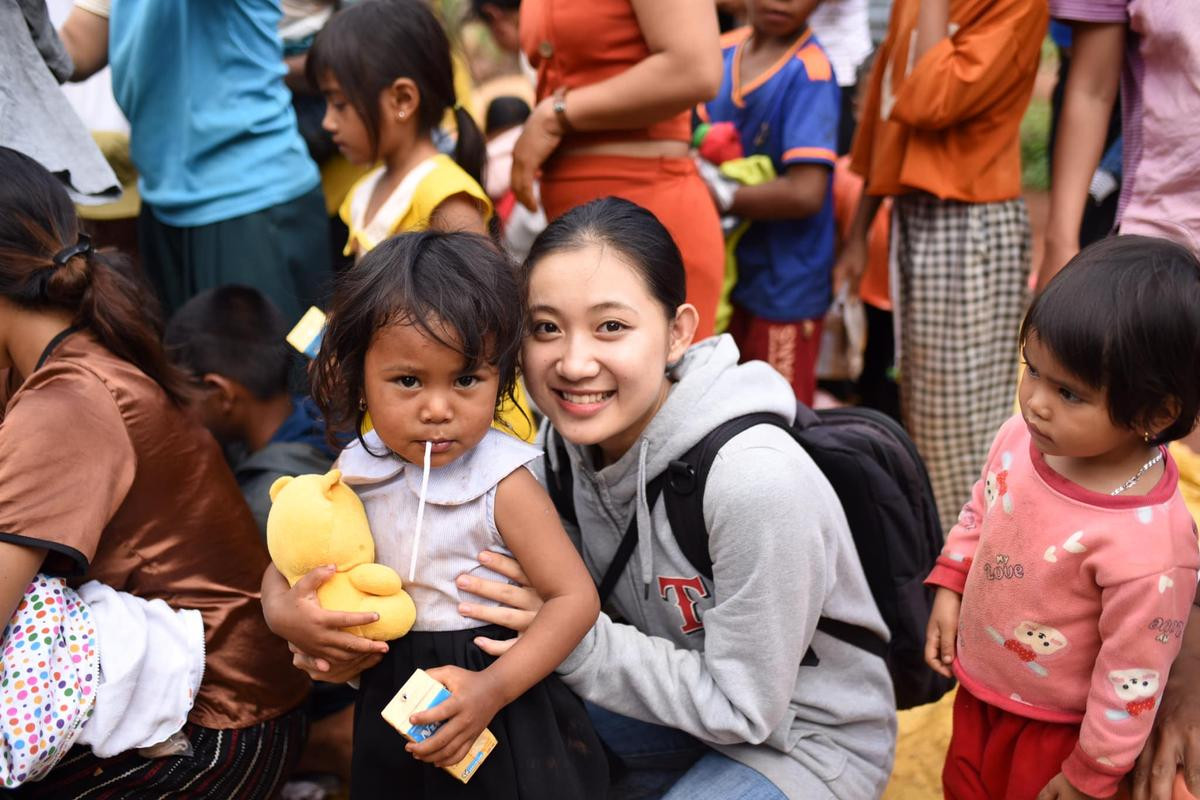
(962, 288)
(246, 764)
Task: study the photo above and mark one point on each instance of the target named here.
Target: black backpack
(885, 493)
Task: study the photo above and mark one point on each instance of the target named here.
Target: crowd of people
(533, 315)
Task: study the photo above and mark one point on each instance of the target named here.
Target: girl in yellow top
(386, 72)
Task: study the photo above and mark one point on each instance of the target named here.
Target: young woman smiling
(700, 691)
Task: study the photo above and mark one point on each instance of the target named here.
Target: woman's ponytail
(47, 263)
(471, 151)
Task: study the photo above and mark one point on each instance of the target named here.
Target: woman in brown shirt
(103, 476)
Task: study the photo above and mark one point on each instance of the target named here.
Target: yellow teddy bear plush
(317, 520)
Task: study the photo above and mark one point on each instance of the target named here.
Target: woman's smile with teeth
(585, 399)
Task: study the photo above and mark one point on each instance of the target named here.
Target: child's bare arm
(800, 192)
(941, 634)
(315, 635)
(530, 526)
(1096, 56)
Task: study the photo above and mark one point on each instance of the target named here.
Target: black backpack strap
(628, 542)
(685, 487)
(562, 493)
(685, 511)
(559, 481)
(854, 636)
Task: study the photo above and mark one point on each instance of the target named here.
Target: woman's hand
(1175, 739)
(1059, 788)
(296, 615)
(474, 700)
(941, 633)
(540, 137)
(521, 603)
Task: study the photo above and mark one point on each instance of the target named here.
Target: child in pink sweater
(1066, 582)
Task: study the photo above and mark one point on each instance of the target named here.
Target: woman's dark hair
(99, 289)
(1124, 316)
(234, 331)
(631, 231)
(440, 282)
(370, 44)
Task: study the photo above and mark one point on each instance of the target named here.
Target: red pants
(997, 755)
(672, 190)
(790, 347)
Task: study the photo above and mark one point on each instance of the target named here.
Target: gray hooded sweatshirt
(720, 659)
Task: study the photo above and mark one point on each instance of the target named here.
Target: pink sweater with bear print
(1074, 602)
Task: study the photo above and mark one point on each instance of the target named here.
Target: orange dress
(576, 44)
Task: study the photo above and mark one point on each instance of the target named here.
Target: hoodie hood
(709, 387)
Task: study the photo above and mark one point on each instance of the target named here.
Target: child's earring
(401, 114)
(362, 404)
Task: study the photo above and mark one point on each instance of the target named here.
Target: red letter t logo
(686, 603)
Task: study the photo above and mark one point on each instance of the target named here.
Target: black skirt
(546, 748)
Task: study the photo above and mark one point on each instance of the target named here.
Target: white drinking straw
(412, 566)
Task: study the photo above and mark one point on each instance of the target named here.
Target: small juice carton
(421, 692)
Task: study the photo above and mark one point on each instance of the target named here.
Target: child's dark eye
(1069, 396)
(612, 326)
(467, 381)
(407, 381)
(1031, 370)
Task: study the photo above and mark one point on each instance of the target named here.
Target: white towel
(151, 665)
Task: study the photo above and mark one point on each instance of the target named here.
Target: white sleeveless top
(459, 519)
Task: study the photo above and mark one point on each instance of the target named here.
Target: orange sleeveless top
(575, 44)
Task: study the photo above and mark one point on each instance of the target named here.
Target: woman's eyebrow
(612, 305)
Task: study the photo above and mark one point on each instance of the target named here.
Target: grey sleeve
(45, 38)
(770, 522)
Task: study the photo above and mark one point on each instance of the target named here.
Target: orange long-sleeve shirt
(948, 124)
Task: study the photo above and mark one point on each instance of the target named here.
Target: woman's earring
(362, 405)
(401, 114)
(1146, 437)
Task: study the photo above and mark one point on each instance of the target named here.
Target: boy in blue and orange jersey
(779, 91)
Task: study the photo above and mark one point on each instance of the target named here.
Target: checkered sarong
(963, 277)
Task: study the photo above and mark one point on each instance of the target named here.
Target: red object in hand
(721, 143)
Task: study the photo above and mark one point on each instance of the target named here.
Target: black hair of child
(370, 44)
(628, 229)
(236, 332)
(457, 288)
(1124, 316)
(504, 112)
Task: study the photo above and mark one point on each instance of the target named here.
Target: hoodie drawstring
(645, 524)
